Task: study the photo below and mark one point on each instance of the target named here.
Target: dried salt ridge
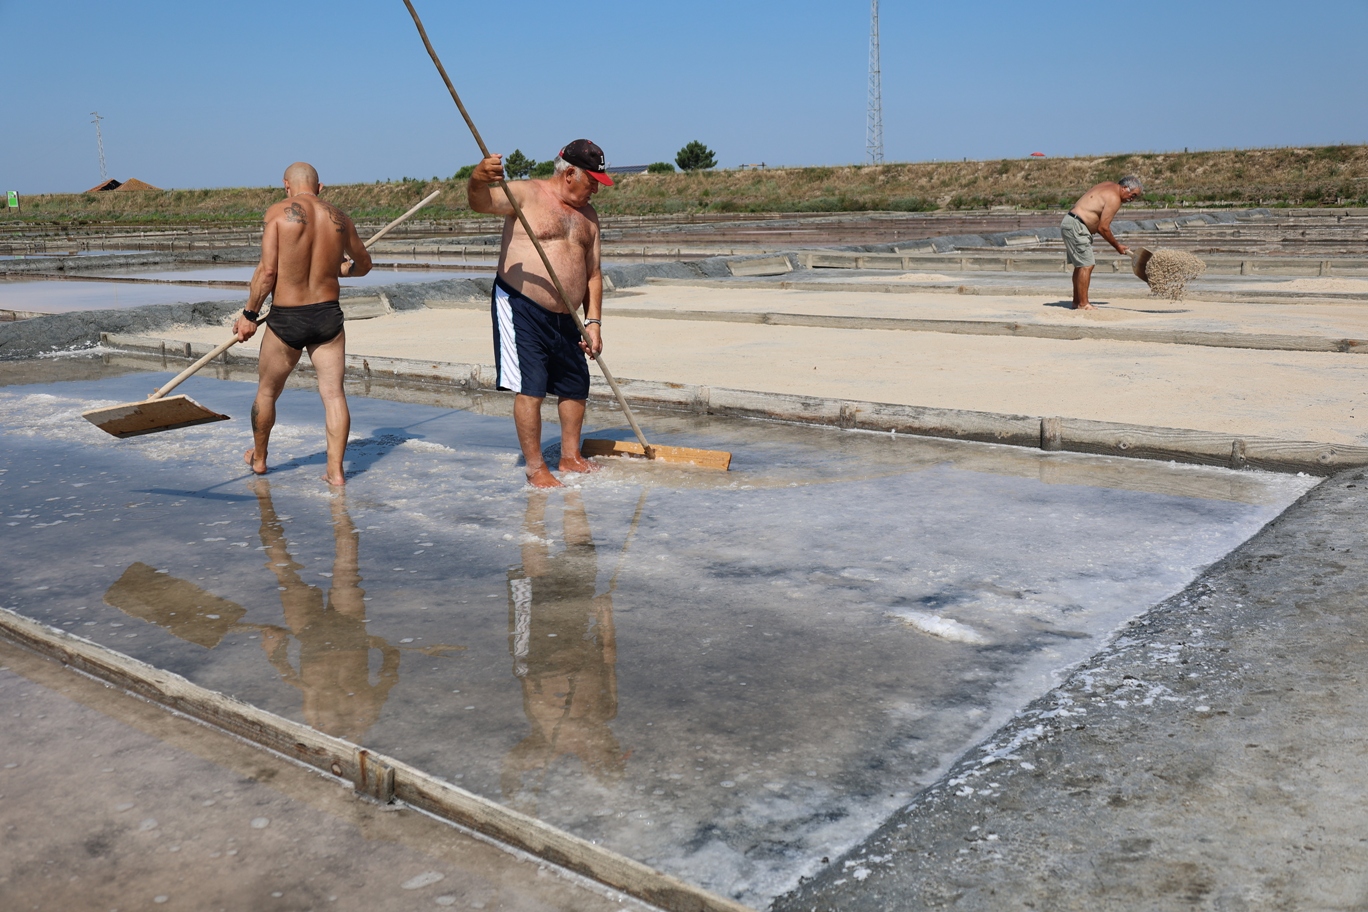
(1168, 272)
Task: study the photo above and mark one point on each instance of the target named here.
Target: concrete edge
(1050, 433)
(1267, 297)
(1064, 331)
(373, 774)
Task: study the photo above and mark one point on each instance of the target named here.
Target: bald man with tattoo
(307, 245)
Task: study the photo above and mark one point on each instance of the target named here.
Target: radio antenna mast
(874, 130)
(99, 139)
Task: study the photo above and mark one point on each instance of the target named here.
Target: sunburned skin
(307, 244)
(558, 210)
(1097, 208)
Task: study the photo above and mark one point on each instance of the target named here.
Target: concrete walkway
(1285, 394)
(109, 802)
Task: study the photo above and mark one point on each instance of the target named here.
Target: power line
(874, 129)
(99, 139)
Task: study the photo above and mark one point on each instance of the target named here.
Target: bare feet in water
(542, 478)
(578, 464)
(258, 466)
(337, 482)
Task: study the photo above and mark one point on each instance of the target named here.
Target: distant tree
(695, 157)
(661, 167)
(517, 165)
(464, 173)
(544, 169)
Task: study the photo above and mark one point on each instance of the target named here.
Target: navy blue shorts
(536, 351)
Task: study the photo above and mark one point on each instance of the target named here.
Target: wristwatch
(253, 315)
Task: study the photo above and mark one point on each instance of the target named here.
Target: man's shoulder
(329, 207)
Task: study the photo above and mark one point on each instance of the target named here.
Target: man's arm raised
(480, 188)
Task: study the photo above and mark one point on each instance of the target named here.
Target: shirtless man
(537, 348)
(1093, 214)
(307, 245)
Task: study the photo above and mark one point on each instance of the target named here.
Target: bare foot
(1084, 306)
(258, 465)
(337, 482)
(542, 478)
(578, 464)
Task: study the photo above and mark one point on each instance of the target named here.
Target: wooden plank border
(372, 773)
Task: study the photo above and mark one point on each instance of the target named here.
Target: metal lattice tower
(874, 128)
(99, 139)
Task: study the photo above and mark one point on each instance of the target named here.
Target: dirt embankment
(1327, 175)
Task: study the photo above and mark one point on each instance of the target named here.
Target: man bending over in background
(1093, 214)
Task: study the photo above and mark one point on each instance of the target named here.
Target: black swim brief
(306, 325)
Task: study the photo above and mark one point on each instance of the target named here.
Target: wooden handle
(394, 224)
(522, 219)
(192, 369)
(185, 374)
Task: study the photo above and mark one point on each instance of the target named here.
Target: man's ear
(319, 191)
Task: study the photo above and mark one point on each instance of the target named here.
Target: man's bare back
(306, 245)
(1099, 206)
(311, 237)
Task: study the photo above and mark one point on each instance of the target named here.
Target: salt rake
(158, 412)
(712, 459)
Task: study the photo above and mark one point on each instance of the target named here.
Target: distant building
(130, 185)
(626, 169)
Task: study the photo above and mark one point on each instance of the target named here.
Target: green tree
(517, 166)
(544, 169)
(660, 167)
(695, 157)
(464, 173)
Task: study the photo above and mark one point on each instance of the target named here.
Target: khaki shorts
(1077, 242)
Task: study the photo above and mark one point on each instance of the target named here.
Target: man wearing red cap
(537, 347)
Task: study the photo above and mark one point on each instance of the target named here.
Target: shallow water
(377, 276)
(727, 676)
(63, 296)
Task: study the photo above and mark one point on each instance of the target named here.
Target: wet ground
(729, 677)
(210, 283)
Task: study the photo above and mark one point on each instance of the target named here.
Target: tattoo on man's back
(295, 213)
(338, 217)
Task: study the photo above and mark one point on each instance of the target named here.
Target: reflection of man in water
(334, 647)
(564, 652)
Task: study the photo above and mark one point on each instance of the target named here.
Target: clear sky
(214, 94)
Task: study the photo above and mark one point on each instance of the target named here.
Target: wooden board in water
(151, 415)
(708, 459)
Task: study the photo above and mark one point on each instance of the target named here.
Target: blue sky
(220, 94)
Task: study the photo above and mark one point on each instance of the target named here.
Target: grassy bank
(1320, 176)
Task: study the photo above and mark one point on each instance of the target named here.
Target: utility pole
(99, 139)
(874, 128)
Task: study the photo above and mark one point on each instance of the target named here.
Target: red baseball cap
(588, 157)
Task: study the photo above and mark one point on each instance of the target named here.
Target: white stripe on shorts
(510, 371)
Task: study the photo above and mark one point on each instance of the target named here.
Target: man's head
(588, 157)
(302, 178)
(1131, 188)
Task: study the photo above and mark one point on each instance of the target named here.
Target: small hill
(1314, 176)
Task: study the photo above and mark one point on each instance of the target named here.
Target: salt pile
(1169, 271)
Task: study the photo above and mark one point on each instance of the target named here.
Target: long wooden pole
(522, 219)
(194, 368)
